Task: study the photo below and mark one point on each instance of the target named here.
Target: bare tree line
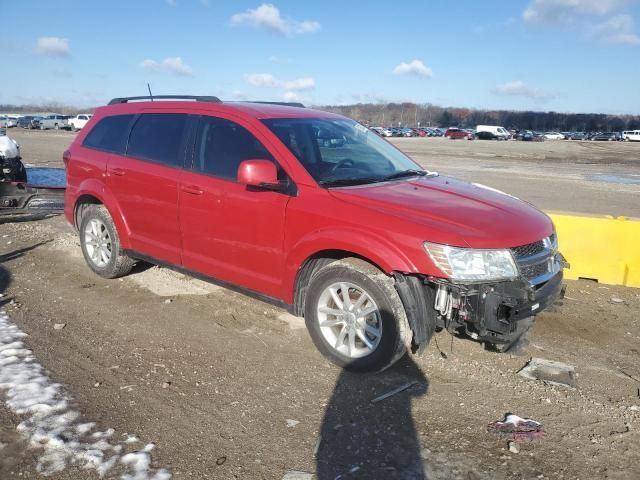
(425, 115)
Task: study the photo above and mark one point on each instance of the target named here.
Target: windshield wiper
(343, 182)
(405, 173)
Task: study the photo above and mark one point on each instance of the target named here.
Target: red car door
(145, 182)
(229, 231)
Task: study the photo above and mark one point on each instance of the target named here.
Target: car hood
(453, 212)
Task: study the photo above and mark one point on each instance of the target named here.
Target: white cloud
(269, 81)
(586, 16)
(416, 67)
(267, 16)
(617, 29)
(518, 88)
(261, 80)
(53, 46)
(173, 65)
(554, 11)
(305, 83)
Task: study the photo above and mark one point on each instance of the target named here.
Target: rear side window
(221, 145)
(110, 134)
(159, 137)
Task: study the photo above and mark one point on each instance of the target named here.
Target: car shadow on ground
(5, 275)
(361, 439)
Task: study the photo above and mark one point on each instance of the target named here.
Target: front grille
(537, 261)
(528, 250)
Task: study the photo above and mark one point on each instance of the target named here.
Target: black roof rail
(197, 98)
(285, 104)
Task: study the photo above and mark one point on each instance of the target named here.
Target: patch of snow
(52, 425)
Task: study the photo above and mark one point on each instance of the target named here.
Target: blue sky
(561, 55)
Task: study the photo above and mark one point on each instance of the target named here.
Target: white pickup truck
(55, 120)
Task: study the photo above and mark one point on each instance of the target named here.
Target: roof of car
(252, 109)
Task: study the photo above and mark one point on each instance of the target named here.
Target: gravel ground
(229, 387)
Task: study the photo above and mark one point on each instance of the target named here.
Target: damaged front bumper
(494, 312)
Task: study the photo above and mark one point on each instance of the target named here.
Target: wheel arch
(312, 264)
(94, 193)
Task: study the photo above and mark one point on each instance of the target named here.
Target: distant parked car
(11, 122)
(418, 132)
(554, 136)
(76, 123)
(456, 133)
(4, 122)
(577, 136)
(55, 121)
(23, 122)
(631, 136)
(605, 137)
(529, 136)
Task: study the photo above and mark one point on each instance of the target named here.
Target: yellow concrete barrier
(606, 249)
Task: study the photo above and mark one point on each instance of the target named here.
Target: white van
(631, 136)
(498, 132)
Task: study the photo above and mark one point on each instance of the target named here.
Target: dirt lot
(218, 381)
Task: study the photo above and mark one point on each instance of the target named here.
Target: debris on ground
(514, 447)
(292, 423)
(616, 300)
(59, 326)
(549, 371)
(395, 391)
(294, 475)
(517, 429)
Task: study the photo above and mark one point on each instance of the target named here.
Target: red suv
(314, 212)
(454, 133)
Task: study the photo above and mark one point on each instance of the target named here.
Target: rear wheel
(355, 316)
(101, 245)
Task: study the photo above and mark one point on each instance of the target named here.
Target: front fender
(99, 190)
(372, 247)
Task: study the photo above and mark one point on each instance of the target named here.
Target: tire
(388, 318)
(107, 260)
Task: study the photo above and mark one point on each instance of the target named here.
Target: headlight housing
(468, 264)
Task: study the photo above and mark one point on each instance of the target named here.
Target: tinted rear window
(159, 137)
(110, 134)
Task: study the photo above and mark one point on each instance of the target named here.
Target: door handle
(116, 171)
(192, 189)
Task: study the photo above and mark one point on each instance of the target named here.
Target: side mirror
(259, 174)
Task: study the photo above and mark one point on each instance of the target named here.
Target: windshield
(342, 152)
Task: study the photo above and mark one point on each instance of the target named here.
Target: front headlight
(468, 264)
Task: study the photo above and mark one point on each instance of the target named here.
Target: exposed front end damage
(497, 313)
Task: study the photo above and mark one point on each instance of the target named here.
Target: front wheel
(355, 316)
(101, 245)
